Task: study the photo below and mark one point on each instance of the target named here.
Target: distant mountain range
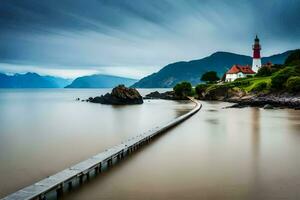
(31, 80)
(191, 71)
(100, 81)
(167, 77)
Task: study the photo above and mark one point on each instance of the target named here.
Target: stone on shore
(268, 106)
(120, 95)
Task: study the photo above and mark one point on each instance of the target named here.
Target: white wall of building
(232, 77)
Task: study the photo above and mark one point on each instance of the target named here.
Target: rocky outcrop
(268, 101)
(232, 94)
(120, 95)
(156, 95)
(169, 95)
(221, 93)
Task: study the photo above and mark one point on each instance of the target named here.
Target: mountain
(100, 81)
(191, 71)
(31, 80)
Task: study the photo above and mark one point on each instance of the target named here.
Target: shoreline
(267, 101)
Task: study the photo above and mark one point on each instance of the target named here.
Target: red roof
(238, 68)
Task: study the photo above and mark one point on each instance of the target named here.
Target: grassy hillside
(273, 79)
(285, 80)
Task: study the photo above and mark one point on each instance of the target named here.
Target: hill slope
(31, 80)
(192, 70)
(100, 81)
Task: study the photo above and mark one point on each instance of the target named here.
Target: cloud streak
(139, 36)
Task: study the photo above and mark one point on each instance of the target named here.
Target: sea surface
(218, 153)
(43, 131)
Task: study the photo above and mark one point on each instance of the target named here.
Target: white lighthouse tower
(256, 64)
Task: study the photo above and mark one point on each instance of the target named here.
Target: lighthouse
(256, 64)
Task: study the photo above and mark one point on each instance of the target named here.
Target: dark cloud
(139, 34)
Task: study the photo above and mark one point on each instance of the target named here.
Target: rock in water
(169, 95)
(268, 106)
(120, 95)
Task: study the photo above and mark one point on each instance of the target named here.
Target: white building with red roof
(238, 71)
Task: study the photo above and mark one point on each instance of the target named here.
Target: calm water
(217, 154)
(45, 131)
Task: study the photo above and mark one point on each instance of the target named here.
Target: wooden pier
(66, 178)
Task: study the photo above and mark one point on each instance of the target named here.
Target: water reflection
(255, 134)
(212, 121)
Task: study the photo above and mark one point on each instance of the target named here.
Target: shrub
(264, 71)
(259, 87)
(276, 67)
(201, 88)
(183, 89)
(293, 58)
(297, 69)
(293, 84)
(278, 80)
(210, 77)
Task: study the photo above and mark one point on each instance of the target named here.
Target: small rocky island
(169, 95)
(120, 95)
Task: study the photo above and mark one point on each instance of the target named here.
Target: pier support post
(81, 179)
(70, 185)
(59, 191)
(100, 165)
(88, 176)
(109, 162)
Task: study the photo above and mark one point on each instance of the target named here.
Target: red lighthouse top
(256, 48)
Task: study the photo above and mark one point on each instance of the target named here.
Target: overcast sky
(134, 38)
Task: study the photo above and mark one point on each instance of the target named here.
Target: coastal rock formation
(169, 95)
(156, 95)
(221, 93)
(268, 100)
(120, 95)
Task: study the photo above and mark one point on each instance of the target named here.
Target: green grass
(255, 81)
(261, 84)
(246, 84)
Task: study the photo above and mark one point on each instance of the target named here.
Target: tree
(279, 79)
(210, 77)
(183, 89)
(293, 84)
(200, 89)
(264, 71)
